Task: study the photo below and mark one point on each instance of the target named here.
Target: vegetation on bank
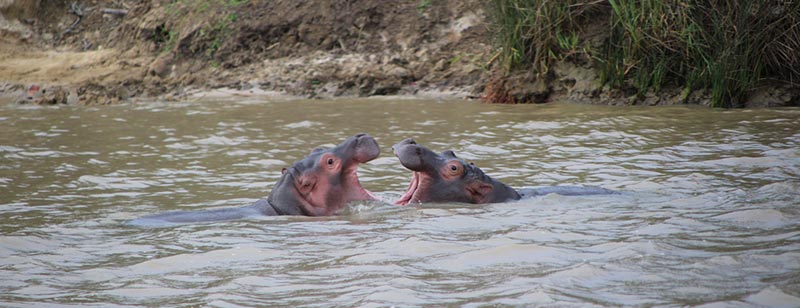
(638, 46)
(215, 18)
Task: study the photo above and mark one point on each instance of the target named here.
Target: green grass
(535, 34)
(171, 39)
(424, 5)
(727, 47)
(216, 18)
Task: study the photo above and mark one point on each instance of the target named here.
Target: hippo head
(326, 180)
(443, 177)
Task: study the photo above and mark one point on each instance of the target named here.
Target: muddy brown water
(710, 213)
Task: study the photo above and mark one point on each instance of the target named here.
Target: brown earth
(170, 49)
(103, 52)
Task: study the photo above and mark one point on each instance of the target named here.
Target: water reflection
(710, 215)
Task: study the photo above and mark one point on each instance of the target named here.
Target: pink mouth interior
(361, 193)
(319, 204)
(412, 188)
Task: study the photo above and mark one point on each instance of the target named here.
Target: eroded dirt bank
(100, 52)
(104, 52)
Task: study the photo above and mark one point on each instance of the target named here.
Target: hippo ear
(449, 153)
(283, 171)
(479, 190)
(317, 150)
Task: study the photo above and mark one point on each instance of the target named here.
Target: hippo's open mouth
(412, 188)
(326, 180)
(366, 149)
(412, 193)
(356, 191)
(414, 158)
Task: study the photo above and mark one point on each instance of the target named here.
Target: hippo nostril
(411, 141)
(418, 151)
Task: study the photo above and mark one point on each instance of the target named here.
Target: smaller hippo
(318, 185)
(447, 178)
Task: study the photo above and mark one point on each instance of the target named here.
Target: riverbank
(170, 49)
(96, 52)
(722, 54)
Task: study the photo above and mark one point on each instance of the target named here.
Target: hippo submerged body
(318, 185)
(443, 177)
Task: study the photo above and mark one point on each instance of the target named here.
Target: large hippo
(318, 185)
(443, 177)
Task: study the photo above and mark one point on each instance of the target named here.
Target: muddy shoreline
(99, 52)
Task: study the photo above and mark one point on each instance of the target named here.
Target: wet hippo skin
(318, 185)
(443, 177)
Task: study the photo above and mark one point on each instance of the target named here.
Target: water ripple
(708, 215)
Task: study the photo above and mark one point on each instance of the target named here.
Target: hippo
(443, 177)
(318, 185)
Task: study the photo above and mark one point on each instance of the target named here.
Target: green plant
(535, 33)
(170, 40)
(218, 16)
(455, 59)
(567, 42)
(726, 46)
(424, 5)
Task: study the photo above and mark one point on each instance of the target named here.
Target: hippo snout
(410, 154)
(406, 142)
(366, 148)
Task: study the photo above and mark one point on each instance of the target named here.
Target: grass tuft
(535, 34)
(215, 19)
(726, 46)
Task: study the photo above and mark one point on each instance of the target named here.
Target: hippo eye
(330, 161)
(455, 169)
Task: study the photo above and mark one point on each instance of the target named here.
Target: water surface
(710, 213)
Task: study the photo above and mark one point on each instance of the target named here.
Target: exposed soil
(104, 52)
(170, 49)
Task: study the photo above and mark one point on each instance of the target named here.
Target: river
(709, 214)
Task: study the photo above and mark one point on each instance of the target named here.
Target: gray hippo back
(320, 184)
(443, 177)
